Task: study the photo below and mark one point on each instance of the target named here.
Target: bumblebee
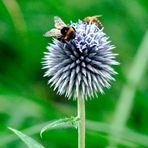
(93, 19)
(61, 31)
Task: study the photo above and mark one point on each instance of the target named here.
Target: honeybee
(93, 19)
(61, 31)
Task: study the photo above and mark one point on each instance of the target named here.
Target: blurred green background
(117, 119)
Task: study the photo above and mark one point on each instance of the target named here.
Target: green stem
(81, 124)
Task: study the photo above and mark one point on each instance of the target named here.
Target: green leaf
(31, 143)
(61, 123)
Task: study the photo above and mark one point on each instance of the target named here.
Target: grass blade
(31, 143)
(126, 98)
(16, 15)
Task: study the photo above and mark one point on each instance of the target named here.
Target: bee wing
(59, 24)
(53, 32)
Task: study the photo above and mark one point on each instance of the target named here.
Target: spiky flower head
(81, 67)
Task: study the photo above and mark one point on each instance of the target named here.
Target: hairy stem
(81, 124)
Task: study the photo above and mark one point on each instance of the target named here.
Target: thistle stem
(81, 124)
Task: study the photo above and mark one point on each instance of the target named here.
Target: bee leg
(61, 39)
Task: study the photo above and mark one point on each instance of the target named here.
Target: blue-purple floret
(83, 66)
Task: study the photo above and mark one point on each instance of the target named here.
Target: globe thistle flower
(82, 66)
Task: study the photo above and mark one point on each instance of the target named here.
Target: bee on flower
(80, 59)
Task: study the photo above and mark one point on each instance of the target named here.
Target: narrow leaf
(61, 123)
(31, 143)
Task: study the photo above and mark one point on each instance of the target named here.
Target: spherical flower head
(81, 67)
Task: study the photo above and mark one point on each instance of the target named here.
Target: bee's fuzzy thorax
(83, 66)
